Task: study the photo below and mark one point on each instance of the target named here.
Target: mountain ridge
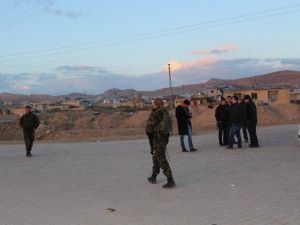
(283, 78)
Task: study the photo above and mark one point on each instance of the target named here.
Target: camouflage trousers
(159, 157)
(28, 139)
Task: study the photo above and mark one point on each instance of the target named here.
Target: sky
(58, 47)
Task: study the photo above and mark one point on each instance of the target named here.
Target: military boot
(152, 179)
(170, 184)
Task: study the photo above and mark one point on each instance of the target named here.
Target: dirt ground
(75, 125)
(105, 183)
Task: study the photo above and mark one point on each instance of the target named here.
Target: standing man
(228, 100)
(235, 122)
(251, 121)
(158, 128)
(222, 118)
(29, 122)
(184, 125)
(244, 124)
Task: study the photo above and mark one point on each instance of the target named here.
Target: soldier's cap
(27, 107)
(158, 102)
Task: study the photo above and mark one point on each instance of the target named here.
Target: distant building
(295, 96)
(263, 96)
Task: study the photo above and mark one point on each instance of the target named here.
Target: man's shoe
(246, 140)
(184, 150)
(152, 179)
(28, 154)
(193, 150)
(240, 146)
(170, 184)
(229, 147)
(253, 146)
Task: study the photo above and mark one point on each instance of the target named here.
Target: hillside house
(295, 96)
(263, 96)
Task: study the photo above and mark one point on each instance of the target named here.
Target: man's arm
(37, 122)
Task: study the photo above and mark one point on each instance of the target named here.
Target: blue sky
(56, 47)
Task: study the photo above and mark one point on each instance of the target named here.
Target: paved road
(75, 184)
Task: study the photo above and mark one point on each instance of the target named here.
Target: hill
(284, 78)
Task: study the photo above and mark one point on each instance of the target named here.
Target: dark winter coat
(222, 114)
(244, 107)
(251, 115)
(183, 120)
(235, 113)
(29, 121)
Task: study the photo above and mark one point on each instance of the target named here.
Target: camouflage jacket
(29, 121)
(154, 120)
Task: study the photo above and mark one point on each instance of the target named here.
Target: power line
(161, 33)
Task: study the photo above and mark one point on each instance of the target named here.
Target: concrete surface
(75, 183)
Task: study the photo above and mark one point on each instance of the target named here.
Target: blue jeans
(190, 133)
(235, 131)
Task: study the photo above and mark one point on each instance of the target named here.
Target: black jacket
(235, 113)
(222, 114)
(251, 116)
(183, 120)
(29, 121)
(244, 107)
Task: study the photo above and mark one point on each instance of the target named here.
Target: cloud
(232, 69)
(201, 63)
(95, 80)
(225, 48)
(50, 7)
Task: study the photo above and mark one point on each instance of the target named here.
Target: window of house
(273, 95)
(254, 95)
(239, 95)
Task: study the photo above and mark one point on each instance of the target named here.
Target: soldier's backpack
(166, 125)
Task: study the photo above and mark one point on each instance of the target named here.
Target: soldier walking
(29, 122)
(159, 126)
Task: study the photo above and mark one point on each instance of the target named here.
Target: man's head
(27, 109)
(158, 103)
(228, 99)
(186, 103)
(247, 99)
(223, 101)
(234, 99)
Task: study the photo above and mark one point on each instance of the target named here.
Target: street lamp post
(171, 90)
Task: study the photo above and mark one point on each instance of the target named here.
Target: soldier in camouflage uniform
(159, 140)
(29, 122)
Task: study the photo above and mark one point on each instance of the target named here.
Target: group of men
(231, 116)
(234, 114)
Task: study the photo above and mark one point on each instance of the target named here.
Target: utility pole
(171, 90)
